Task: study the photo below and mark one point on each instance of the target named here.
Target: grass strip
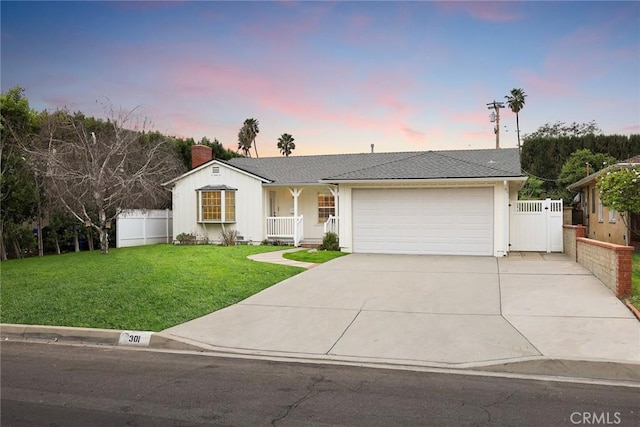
(141, 288)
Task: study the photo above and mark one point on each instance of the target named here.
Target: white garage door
(447, 221)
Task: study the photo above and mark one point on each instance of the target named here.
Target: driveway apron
(442, 310)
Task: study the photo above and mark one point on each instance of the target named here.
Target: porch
(291, 228)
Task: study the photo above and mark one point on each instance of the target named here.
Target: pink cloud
(298, 94)
(547, 82)
(414, 136)
(297, 97)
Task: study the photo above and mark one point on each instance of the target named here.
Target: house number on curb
(137, 338)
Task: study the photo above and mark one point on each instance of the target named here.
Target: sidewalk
(277, 258)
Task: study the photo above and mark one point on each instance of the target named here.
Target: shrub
(330, 242)
(229, 237)
(186, 238)
(267, 242)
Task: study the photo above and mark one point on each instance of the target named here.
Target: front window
(326, 206)
(216, 205)
(600, 211)
(230, 205)
(211, 205)
(612, 215)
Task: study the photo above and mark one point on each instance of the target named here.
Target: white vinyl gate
(536, 225)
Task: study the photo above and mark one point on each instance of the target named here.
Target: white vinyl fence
(135, 227)
(536, 225)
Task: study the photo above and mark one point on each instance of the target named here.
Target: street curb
(626, 372)
(94, 336)
(601, 370)
(633, 309)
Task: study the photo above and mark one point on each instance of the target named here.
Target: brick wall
(569, 235)
(567, 215)
(608, 262)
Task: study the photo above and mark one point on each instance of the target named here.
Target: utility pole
(496, 106)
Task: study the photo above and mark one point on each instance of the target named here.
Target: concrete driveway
(430, 310)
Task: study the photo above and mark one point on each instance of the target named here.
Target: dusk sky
(338, 76)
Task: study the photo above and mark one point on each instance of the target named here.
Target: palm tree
(515, 101)
(252, 130)
(286, 144)
(244, 141)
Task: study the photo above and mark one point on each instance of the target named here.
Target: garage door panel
(423, 221)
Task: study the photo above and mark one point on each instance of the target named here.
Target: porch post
(335, 192)
(506, 219)
(295, 192)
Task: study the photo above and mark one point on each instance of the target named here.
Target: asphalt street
(54, 384)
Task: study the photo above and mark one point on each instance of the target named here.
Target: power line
(540, 178)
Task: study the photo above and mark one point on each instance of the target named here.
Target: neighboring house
(429, 202)
(602, 223)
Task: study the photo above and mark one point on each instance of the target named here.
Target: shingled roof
(503, 163)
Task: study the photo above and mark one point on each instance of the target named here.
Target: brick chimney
(200, 154)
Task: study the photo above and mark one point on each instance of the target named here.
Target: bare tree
(97, 168)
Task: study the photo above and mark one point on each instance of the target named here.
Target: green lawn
(316, 257)
(635, 281)
(142, 288)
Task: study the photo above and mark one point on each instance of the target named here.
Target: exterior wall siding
(249, 202)
(601, 228)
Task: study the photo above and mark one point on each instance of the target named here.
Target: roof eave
(424, 180)
(212, 162)
(587, 179)
(291, 184)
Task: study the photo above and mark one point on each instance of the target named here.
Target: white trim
(219, 163)
(331, 193)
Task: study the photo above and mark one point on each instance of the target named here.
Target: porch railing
(285, 227)
(331, 225)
